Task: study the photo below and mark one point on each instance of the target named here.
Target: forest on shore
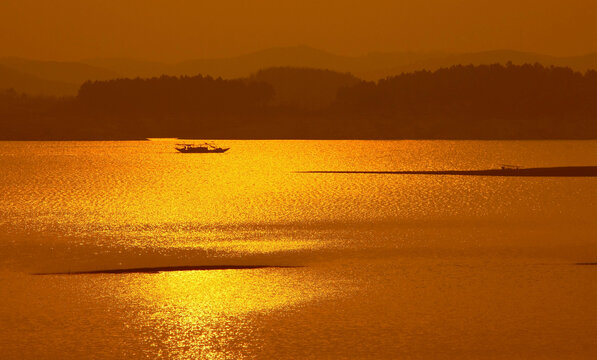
(460, 102)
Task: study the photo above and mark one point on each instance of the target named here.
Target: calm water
(391, 266)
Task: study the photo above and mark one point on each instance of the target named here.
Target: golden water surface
(384, 265)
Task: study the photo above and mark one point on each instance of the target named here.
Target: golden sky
(172, 30)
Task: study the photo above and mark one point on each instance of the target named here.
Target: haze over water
(388, 266)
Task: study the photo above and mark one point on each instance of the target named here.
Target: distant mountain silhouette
(30, 84)
(241, 66)
(577, 63)
(132, 68)
(372, 66)
(65, 72)
(230, 67)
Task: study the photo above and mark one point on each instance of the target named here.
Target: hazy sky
(181, 29)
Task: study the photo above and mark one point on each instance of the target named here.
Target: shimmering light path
(389, 266)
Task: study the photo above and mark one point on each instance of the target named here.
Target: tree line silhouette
(486, 101)
(304, 88)
(169, 95)
(479, 101)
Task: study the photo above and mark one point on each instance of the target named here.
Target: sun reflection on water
(91, 206)
(207, 314)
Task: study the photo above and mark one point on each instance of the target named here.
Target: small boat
(509, 167)
(205, 148)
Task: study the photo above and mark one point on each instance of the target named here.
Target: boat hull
(202, 151)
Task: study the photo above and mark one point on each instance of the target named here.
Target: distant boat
(161, 139)
(205, 148)
(509, 167)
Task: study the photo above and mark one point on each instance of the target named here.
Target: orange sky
(174, 30)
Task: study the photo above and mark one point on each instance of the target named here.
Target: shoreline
(563, 171)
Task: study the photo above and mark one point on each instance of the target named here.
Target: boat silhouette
(205, 148)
